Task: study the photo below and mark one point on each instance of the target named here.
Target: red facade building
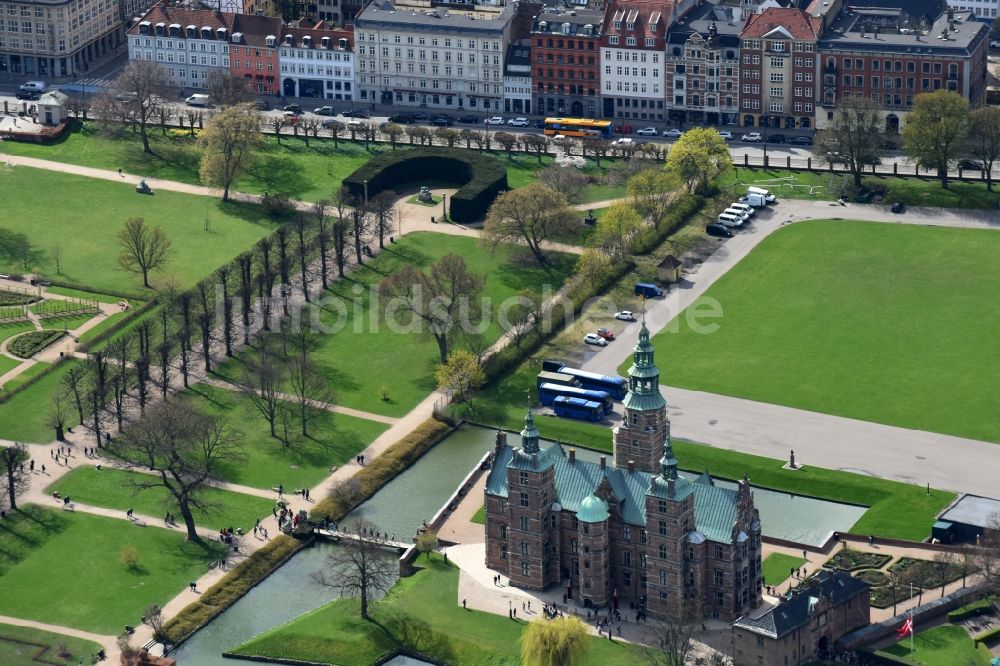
(565, 72)
(253, 52)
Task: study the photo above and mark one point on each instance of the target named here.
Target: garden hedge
(28, 344)
(483, 177)
(980, 607)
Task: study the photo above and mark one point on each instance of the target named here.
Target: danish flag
(906, 629)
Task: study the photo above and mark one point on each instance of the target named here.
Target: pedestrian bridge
(338, 535)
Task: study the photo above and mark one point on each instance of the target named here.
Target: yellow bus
(597, 129)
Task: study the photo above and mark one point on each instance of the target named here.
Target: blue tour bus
(547, 393)
(556, 378)
(578, 408)
(617, 387)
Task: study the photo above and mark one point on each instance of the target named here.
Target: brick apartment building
(804, 627)
(253, 53)
(565, 54)
(778, 69)
(633, 532)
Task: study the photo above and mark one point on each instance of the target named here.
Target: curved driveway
(835, 442)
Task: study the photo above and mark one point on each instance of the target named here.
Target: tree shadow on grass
(409, 633)
(28, 528)
(279, 174)
(247, 211)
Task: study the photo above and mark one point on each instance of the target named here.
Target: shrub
(971, 610)
(484, 177)
(683, 209)
(117, 293)
(28, 344)
(130, 557)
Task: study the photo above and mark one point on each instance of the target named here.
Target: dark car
(538, 124)
(331, 122)
(325, 111)
(898, 208)
(441, 121)
(356, 113)
(776, 138)
(401, 119)
(421, 116)
(718, 231)
(294, 108)
(801, 141)
(261, 105)
(971, 165)
(467, 120)
(29, 95)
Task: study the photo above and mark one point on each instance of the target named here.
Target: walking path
(106, 642)
(824, 440)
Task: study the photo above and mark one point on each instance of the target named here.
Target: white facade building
(317, 63)
(188, 44)
(435, 58)
(517, 79)
(983, 9)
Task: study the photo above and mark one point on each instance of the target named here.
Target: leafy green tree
(984, 138)
(560, 642)
(427, 542)
(530, 216)
(618, 227)
(653, 192)
(461, 373)
(699, 156)
(228, 144)
(855, 134)
(936, 131)
(592, 266)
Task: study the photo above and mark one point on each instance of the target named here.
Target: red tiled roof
(795, 21)
(200, 18)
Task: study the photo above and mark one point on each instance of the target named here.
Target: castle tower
(531, 482)
(645, 431)
(595, 572)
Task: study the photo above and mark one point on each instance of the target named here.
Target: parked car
(898, 208)
(538, 124)
(647, 131)
(325, 111)
(560, 139)
(262, 105)
(995, 44)
(647, 290)
(420, 116)
(467, 120)
(606, 333)
(595, 339)
(971, 165)
(727, 136)
(776, 138)
(673, 133)
(293, 108)
(441, 121)
(518, 122)
(746, 208)
(623, 141)
(29, 95)
(401, 119)
(331, 122)
(833, 157)
(356, 113)
(495, 120)
(289, 118)
(800, 141)
(752, 137)
(718, 230)
(625, 315)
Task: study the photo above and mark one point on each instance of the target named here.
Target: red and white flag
(906, 629)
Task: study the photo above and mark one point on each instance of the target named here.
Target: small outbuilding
(52, 108)
(971, 519)
(669, 270)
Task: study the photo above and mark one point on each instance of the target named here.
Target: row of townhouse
(274, 59)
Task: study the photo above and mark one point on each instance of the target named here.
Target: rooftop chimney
(631, 465)
(604, 462)
(572, 456)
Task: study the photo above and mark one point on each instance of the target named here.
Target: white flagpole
(911, 620)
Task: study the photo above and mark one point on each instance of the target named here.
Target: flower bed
(849, 559)
(28, 344)
(873, 577)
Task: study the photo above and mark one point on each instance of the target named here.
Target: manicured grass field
(86, 235)
(334, 439)
(6, 365)
(777, 566)
(26, 645)
(480, 516)
(66, 568)
(111, 488)
(825, 186)
(22, 418)
(421, 613)
(879, 322)
(359, 356)
(942, 646)
(24, 376)
(105, 323)
(88, 295)
(16, 328)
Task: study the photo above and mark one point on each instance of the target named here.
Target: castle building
(633, 532)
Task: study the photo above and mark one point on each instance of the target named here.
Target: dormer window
(270, 40)
(618, 25)
(630, 26)
(288, 40)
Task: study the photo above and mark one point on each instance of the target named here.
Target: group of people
(285, 515)
(228, 537)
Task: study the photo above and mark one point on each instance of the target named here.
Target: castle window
(661, 506)
(524, 499)
(718, 552)
(586, 564)
(552, 521)
(586, 528)
(524, 478)
(503, 552)
(626, 532)
(627, 577)
(663, 527)
(574, 546)
(525, 548)
(524, 523)
(663, 594)
(627, 558)
(719, 577)
(642, 536)
(642, 560)
(663, 577)
(663, 552)
(525, 569)
(503, 531)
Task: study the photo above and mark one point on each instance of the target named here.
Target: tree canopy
(530, 216)
(935, 131)
(699, 156)
(228, 143)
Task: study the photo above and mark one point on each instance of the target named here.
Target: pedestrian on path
(463, 604)
(43, 469)
(32, 465)
(194, 586)
(129, 514)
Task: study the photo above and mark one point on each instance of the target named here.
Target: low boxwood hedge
(15, 298)
(28, 344)
(483, 177)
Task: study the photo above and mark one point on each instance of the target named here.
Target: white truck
(197, 100)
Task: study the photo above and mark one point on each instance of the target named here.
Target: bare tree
(14, 464)
(381, 206)
(302, 225)
(223, 274)
(984, 138)
(359, 568)
(446, 135)
(340, 228)
(434, 298)
(262, 379)
(536, 144)
(73, 381)
(142, 248)
(564, 179)
(58, 414)
(206, 321)
(142, 86)
(226, 89)
(530, 216)
(393, 132)
(523, 315)
(336, 129)
(944, 562)
(323, 237)
(671, 644)
(508, 142)
(313, 395)
(854, 136)
(310, 126)
(987, 558)
(245, 263)
(185, 449)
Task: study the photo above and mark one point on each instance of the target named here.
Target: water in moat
(416, 495)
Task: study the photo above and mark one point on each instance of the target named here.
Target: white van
(33, 87)
(768, 197)
(197, 100)
(746, 208)
(730, 220)
(755, 200)
(736, 212)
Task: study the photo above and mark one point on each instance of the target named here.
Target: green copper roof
(592, 510)
(644, 402)
(529, 436)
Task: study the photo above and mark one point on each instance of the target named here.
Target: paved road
(818, 439)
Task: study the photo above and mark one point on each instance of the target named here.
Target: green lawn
(22, 418)
(334, 439)
(24, 376)
(941, 646)
(23, 646)
(825, 186)
(6, 365)
(66, 568)
(106, 322)
(879, 322)
(111, 488)
(85, 235)
(422, 614)
(359, 357)
(89, 295)
(480, 515)
(777, 566)
(16, 328)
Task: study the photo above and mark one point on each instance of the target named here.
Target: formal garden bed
(8, 298)
(930, 574)
(28, 344)
(849, 559)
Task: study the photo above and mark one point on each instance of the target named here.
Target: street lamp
(366, 192)
(444, 207)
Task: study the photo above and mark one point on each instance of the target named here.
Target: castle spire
(529, 436)
(668, 463)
